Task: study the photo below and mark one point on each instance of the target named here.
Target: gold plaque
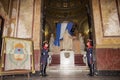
(67, 55)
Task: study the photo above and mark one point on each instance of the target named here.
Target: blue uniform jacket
(44, 56)
(89, 55)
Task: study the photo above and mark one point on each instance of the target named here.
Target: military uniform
(44, 59)
(90, 58)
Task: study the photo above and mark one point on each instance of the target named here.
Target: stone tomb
(67, 58)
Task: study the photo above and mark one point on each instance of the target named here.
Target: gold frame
(4, 53)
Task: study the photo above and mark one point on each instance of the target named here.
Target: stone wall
(106, 16)
(107, 35)
(5, 3)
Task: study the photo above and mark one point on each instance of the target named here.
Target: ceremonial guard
(44, 58)
(90, 57)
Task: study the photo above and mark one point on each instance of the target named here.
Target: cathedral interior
(58, 11)
(36, 20)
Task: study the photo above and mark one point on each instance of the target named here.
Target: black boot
(44, 70)
(91, 70)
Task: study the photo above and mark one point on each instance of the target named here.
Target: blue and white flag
(61, 27)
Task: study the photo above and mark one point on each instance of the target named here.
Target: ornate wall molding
(107, 41)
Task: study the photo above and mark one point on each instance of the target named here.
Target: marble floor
(62, 75)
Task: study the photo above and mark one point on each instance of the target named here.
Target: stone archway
(78, 15)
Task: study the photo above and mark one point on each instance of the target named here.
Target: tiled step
(64, 67)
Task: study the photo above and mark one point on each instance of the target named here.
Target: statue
(82, 48)
(82, 45)
(51, 43)
(67, 41)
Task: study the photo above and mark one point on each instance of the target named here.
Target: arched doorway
(78, 12)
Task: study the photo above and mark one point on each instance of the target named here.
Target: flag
(61, 27)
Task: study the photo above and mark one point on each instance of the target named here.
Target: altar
(67, 58)
(67, 49)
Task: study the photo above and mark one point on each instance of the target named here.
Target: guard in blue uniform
(44, 58)
(90, 57)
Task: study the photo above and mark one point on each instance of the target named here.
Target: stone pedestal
(67, 58)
